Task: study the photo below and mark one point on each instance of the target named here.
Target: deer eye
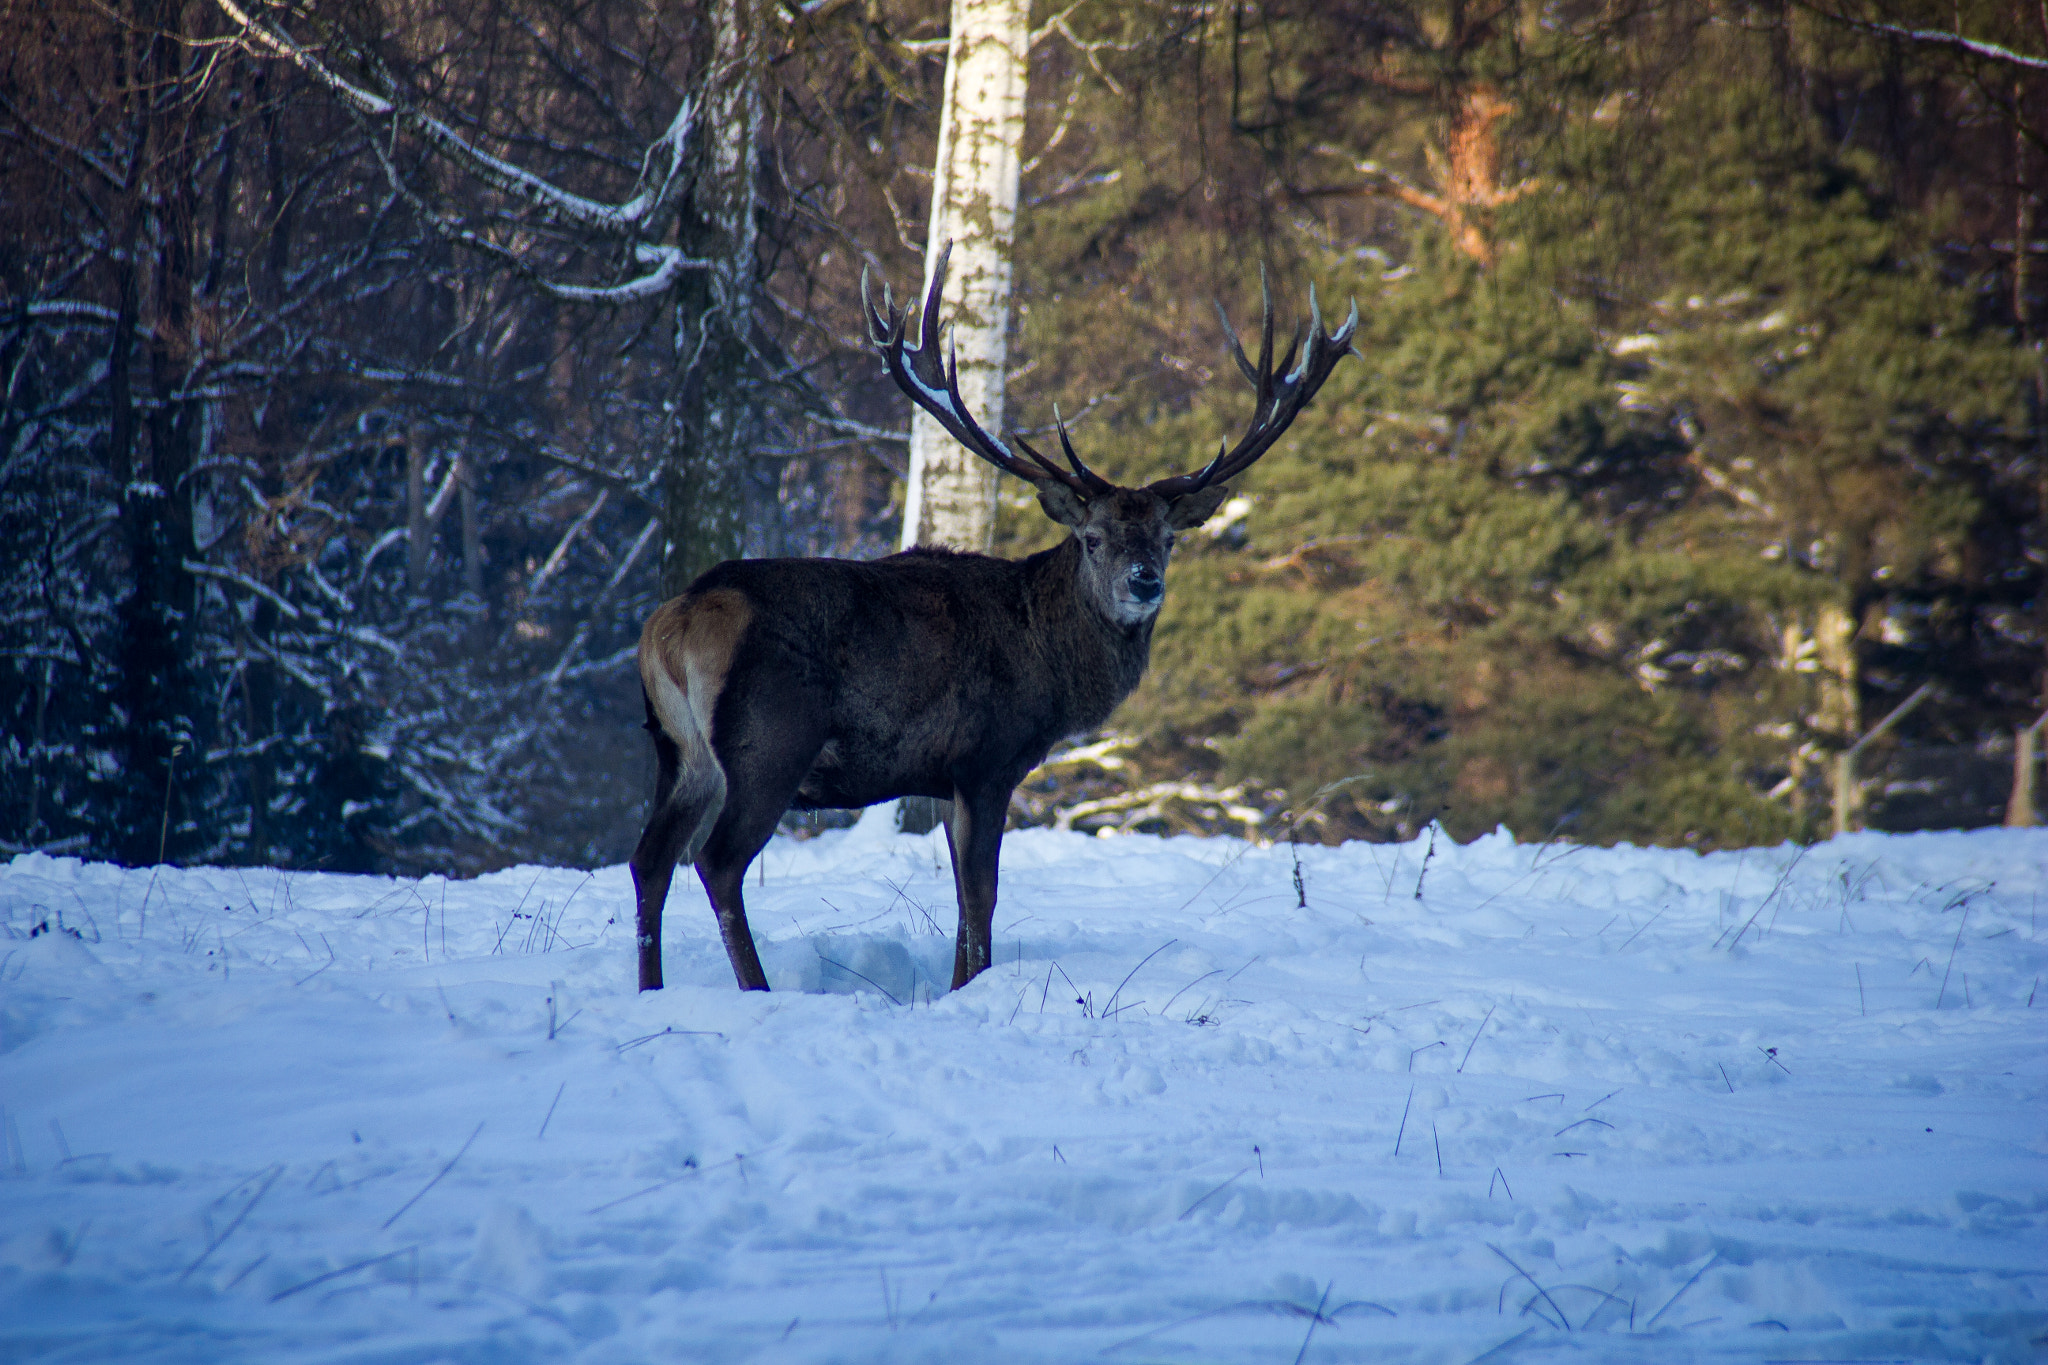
(1093, 543)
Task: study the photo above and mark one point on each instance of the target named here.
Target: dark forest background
(1699, 422)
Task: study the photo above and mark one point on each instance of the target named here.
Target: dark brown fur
(832, 683)
(780, 683)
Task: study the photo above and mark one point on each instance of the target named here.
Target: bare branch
(630, 218)
(1935, 37)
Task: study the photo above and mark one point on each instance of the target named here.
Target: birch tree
(952, 494)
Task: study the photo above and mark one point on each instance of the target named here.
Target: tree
(952, 494)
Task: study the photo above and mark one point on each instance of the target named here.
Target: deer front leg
(976, 841)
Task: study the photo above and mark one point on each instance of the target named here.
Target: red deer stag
(777, 684)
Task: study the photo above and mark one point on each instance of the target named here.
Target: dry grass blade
(229, 1230)
(436, 1180)
(1541, 1292)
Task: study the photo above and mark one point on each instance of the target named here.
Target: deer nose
(1146, 585)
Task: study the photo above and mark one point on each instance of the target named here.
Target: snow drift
(1504, 1101)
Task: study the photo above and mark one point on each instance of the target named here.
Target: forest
(372, 368)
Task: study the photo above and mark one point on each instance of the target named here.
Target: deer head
(1125, 534)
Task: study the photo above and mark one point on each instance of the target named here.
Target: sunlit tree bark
(952, 495)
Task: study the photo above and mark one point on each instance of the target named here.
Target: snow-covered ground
(1563, 1104)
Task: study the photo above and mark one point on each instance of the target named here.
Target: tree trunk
(2023, 314)
(472, 531)
(1840, 710)
(153, 444)
(713, 421)
(2020, 811)
(952, 494)
(419, 531)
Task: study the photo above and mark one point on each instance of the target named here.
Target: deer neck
(1104, 658)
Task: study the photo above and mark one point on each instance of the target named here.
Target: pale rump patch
(686, 651)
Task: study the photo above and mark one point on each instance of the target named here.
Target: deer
(801, 684)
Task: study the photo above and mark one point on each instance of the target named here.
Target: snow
(1568, 1103)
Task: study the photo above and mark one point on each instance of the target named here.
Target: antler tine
(1095, 481)
(934, 384)
(1052, 471)
(928, 313)
(1244, 366)
(1281, 397)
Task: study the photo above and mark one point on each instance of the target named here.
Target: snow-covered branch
(632, 217)
(1936, 37)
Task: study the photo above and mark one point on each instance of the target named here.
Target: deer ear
(1062, 503)
(1192, 509)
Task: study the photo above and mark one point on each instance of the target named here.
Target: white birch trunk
(952, 494)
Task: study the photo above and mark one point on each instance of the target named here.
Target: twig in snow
(1424, 1048)
(243, 1273)
(671, 1030)
(1540, 1290)
(1427, 855)
(1784, 876)
(1860, 1009)
(1475, 1038)
(345, 1270)
(1569, 1126)
(1316, 1318)
(1190, 986)
(1646, 924)
(1602, 1100)
(323, 966)
(1293, 1310)
(1943, 993)
(435, 1181)
(1110, 1008)
(1491, 1352)
(1212, 1194)
(1439, 1149)
(1402, 1131)
(229, 1230)
(694, 1169)
(1502, 1177)
(1724, 1077)
(551, 1111)
(851, 972)
(1681, 1290)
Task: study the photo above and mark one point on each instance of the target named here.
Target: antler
(935, 386)
(1280, 399)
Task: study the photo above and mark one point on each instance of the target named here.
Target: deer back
(912, 671)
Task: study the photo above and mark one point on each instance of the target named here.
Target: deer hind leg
(689, 792)
(776, 757)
